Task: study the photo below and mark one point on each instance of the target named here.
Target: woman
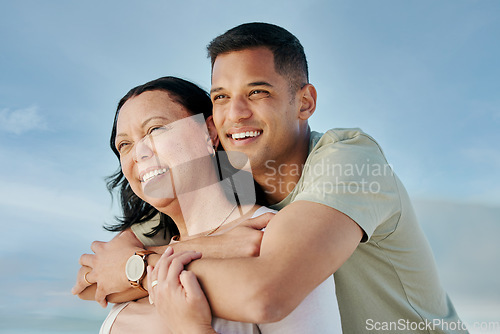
(169, 164)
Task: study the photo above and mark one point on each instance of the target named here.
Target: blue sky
(420, 76)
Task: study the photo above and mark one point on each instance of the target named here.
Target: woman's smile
(151, 173)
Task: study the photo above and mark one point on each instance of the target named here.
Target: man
(342, 210)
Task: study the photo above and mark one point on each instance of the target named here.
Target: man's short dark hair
(289, 57)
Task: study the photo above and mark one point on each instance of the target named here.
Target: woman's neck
(203, 210)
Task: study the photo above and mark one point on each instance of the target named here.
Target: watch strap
(138, 284)
(143, 253)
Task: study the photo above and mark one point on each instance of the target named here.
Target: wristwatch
(135, 269)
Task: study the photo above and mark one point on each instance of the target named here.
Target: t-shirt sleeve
(147, 227)
(351, 175)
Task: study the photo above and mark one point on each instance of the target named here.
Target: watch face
(134, 268)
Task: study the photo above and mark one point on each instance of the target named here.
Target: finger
(152, 289)
(96, 246)
(177, 266)
(87, 260)
(100, 297)
(163, 264)
(259, 222)
(80, 284)
(160, 267)
(191, 285)
(169, 251)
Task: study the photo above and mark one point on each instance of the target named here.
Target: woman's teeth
(149, 175)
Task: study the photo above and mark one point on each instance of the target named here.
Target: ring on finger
(154, 283)
(85, 278)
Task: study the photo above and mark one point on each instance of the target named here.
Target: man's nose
(239, 109)
(143, 149)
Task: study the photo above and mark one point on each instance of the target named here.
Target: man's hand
(177, 295)
(107, 266)
(241, 241)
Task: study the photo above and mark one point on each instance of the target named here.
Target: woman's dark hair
(289, 57)
(135, 210)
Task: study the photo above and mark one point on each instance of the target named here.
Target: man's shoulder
(351, 136)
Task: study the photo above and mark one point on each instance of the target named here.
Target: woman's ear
(308, 101)
(212, 131)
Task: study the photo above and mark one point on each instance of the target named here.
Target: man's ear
(307, 101)
(212, 131)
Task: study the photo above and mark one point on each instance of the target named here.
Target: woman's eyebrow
(143, 124)
(153, 118)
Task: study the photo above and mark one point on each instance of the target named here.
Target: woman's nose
(143, 149)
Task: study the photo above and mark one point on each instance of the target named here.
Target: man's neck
(279, 177)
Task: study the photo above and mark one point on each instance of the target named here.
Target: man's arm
(303, 244)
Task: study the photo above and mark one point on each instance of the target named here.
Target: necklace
(222, 223)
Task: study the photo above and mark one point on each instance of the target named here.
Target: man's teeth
(247, 134)
(149, 175)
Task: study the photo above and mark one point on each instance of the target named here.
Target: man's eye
(259, 92)
(219, 97)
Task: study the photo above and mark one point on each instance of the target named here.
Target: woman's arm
(107, 265)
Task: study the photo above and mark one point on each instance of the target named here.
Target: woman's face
(161, 147)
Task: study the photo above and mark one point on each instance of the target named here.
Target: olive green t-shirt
(159, 239)
(390, 283)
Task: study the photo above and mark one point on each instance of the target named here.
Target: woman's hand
(177, 295)
(88, 290)
(107, 266)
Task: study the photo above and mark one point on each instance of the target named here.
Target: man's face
(253, 107)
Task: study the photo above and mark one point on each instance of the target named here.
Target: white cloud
(21, 120)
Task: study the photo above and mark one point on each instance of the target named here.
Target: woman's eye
(157, 129)
(153, 129)
(122, 147)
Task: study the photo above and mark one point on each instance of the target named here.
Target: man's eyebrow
(144, 124)
(217, 89)
(251, 84)
(260, 83)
